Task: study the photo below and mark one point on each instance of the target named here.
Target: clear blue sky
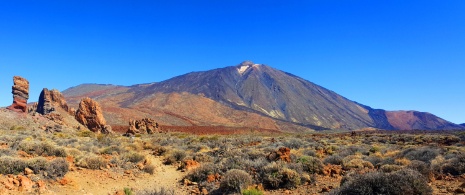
(390, 54)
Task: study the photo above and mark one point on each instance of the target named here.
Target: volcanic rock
(282, 153)
(50, 100)
(20, 91)
(145, 125)
(90, 115)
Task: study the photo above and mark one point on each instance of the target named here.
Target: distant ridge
(248, 95)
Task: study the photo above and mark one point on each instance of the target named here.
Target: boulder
(145, 125)
(20, 91)
(50, 100)
(90, 115)
(282, 153)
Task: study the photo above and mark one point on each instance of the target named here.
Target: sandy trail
(98, 182)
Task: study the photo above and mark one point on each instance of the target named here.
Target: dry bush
(403, 182)
(201, 174)
(57, 168)
(150, 168)
(93, 162)
(9, 165)
(235, 181)
(290, 178)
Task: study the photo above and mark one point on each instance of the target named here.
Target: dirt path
(98, 182)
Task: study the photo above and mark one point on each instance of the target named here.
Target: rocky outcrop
(20, 91)
(283, 154)
(145, 125)
(90, 115)
(50, 100)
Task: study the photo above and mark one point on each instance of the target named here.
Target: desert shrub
(374, 160)
(271, 175)
(37, 164)
(200, 174)
(403, 182)
(298, 167)
(161, 191)
(202, 157)
(9, 165)
(290, 178)
(57, 168)
(334, 160)
(7, 152)
(85, 133)
(422, 154)
(93, 162)
(255, 154)
(390, 168)
(421, 167)
(133, 157)
(42, 149)
(111, 150)
(309, 152)
(235, 181)
(455, 166)
(352, 150)
(159, 150)
(252, 191)
(232, 163)
(17, 127)
(357, 164)
(149, 169)
(311, 164)
(175, 156)
(293, 143)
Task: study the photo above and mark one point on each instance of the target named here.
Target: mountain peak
(245, 65)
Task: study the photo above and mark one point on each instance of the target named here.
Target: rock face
(90, 115)
(145, 125)
(20, 92)
(50, 100)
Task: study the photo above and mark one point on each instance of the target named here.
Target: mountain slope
(283, 100)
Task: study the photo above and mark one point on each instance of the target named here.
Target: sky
(389, 54)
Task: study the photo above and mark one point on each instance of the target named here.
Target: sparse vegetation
(234, 163)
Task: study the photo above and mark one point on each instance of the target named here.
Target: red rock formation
(145, 125)
(20, 92)
(90, 115)
(283, 154)
(50, 100)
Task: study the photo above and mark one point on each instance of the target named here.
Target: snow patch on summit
(244, 68)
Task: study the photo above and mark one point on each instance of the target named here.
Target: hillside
(247, 95)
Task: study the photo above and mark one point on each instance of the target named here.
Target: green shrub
(311, 164)
(252, 191)
(290, 178)
(235, 181)
(128, 191)
(271, 175)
